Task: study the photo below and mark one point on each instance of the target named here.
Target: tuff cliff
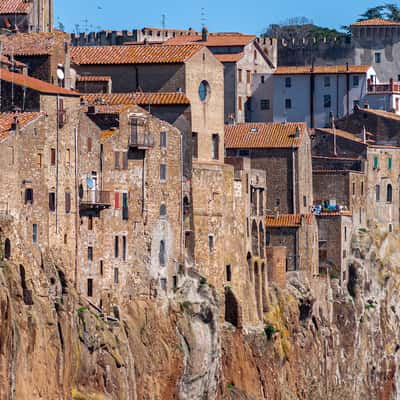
(319, 340)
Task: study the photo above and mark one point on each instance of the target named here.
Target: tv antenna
(203, 17)
(163, 19)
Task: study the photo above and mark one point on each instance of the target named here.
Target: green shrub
(269, 331)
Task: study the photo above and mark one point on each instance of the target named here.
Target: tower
(41, 15)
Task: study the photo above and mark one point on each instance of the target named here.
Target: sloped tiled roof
(319, 69)
(344, 135)
(214, 39)
(265, 135)
(381, 113)
(376, 22)
(34, 84)
(153, 98)
(229, 57)
(94, 78)
(7, 119)
(135, 54)
(32, 44)
(287, 220)
(346, 213)
(15, 7)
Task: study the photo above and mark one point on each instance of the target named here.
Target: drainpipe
(348, 88)
(57, 145)
(181, 201)
(312, 93)
(76, 208)
(337, 95)
(294, 180)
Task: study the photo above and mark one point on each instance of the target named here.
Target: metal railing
(96, 197)
(384, 87)
(141, 139)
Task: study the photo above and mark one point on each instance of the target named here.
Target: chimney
(204, 34)
(14, 124)
(297, 133)
(364, 133)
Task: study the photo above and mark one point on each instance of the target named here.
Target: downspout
(76, 208)
(57, 145)
(181, 201)
(312, 90)
(294, 180)
(348, 88)
(337, 95)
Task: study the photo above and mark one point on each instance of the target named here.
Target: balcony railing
(94, 200)
(141, 140)
(384, 87)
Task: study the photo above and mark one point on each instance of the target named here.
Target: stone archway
(232, 312)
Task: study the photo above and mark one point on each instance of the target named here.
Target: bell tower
(42, 15)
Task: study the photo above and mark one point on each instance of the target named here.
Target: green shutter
(375, 162)
(390, 162)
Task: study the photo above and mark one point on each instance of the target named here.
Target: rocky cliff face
(319, 340)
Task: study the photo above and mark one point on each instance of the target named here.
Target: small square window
(356, 81)
(288, 103)
(327, 81)
(264, 104)
(327, 101)
(288, 82)
(377, 58)
(29, 196)
(262, 79)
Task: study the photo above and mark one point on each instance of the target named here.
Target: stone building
(45, 54)
(283, 151)
(26, 15)
(94, 84)
(38, 183)
(310, 93)
(242, 57)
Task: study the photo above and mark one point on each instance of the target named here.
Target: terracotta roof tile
(94, 78)
(344, 134)
(135, 54)
(15, 7)
(332, 69)
(34, 84)
(346, 213)
(376, 22)
(153, 98)
(32, 44)
(265, 135)
(7, 119)
(381, 113)
(214, 39)
(287, 220)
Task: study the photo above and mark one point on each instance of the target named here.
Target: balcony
(390, 87)
(141, 140)
(94, 201)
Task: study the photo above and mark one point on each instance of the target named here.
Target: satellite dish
(60, 74)
(90, 183)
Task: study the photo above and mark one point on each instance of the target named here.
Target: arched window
(186, 206)
(163, 210)
(7, 249)
(161, 255)
(254, 238)
(389, 193)
(262, 244)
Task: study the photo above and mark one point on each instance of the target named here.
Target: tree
(387, 11)
(392, 12)
(372, 13)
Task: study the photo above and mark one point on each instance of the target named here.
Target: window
(344, 253)
(390, 163)
(68, 157)
(228, 273)
(101, 267)
(116, 276)
(356, 81)
(264, 104)
(163, 140)
(163, 172)
(327, 101)
(161, 254)
(52, 156)
(89, 144)
(377, 58)
(240, 103)
(124, 248)
(362, 188)
(67, 202)
(398, 78)
(90, 287)
(163, 210)
(39, 160)
(345, 233)
(255, 54)
(117, 204)
(7, 249)
(65, 238)
(124, 160)
(116, 159)
(327, 81)
(376, 162)
(305, 201)
(163, 282)
(90, 223)
(389, 193)
(356, 104)
(52, 201)
(239, 75)
(116, 246)
(34, 233)
(90, 253)
(377, 192)
(29, 196)
(210, 243)
(390, 228)
(262, 79)
(354, 188)
(175, 282)
(195, 145)
(248, 76)
(288, 82)
(125, 209)
(215, 146)
(204, 90)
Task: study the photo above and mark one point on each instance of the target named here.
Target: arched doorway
(257, 289)
(254, 238)
(231, 308)
(7, 249)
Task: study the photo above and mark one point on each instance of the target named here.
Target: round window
(204, 90)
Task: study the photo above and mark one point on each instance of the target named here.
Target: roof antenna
(203, 17)
(163, 19)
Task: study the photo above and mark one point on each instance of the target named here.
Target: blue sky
(249, 16)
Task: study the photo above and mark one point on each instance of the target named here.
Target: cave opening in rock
(231, 308)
